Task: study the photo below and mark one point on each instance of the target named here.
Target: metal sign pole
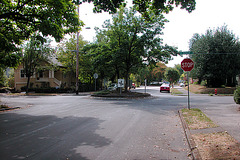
(188, 91)
(95, 76)
(187, 65)
(95, 84)
(145, 85)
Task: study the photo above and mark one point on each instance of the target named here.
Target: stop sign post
(187, 65)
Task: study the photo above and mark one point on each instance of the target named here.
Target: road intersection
(82, 127)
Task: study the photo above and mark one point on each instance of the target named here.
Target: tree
(172, 75)
(20, 19)
(100, 54)
(143, 73)
(9, 78)
(178, 67)
(158, 71)
(34, 54)
(218, 57)
(130, 39)
(144, 7)
(67, 56)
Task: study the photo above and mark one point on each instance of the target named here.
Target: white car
(182, 85)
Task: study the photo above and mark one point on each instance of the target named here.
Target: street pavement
(222, 110)
(82, 127)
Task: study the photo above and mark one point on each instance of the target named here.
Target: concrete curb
(194, 153)
(7, 109)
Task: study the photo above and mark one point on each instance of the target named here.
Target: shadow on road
(47, 137)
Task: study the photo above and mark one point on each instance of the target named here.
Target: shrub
(196, 83)
(204, 83)
(236, 95)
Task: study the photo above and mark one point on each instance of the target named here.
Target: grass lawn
(175, 91)
(198, 89)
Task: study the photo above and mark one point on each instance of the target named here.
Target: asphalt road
(86, 128)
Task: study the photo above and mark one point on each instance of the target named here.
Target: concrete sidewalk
(226, 115)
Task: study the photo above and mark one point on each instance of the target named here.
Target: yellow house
(44, 79)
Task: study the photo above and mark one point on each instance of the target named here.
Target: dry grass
(198, 89)
(217, 146)
(211, 146)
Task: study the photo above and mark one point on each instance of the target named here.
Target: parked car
(165, 87)
(133, 85)
(154, 83)
(182, 85)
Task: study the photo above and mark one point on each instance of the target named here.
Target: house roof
(53, 58)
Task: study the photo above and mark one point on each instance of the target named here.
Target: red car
(133, 85)
(165, 87)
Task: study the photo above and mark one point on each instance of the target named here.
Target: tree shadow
(47, 137)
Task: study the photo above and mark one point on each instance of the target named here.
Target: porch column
(52, 73)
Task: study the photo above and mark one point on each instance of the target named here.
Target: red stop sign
(187, 64)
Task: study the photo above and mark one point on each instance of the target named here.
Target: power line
(189, 53)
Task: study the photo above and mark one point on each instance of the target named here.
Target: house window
(40, 74)
(22, 74)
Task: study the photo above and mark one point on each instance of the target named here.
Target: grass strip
(103, 92)
(196, 119)
(175, 91)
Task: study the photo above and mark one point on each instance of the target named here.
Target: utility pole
(77, 57)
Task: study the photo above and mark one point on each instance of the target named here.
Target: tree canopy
(33, 55)
(67, 56)
(218, 57)
(143, 6)
(172, 75)
(20, 19)
(129, 41)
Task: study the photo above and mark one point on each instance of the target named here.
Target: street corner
(206, 139)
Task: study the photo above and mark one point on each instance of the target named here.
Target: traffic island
(115, 94)
(206, 139)
(4, 107)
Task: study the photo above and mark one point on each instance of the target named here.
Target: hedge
(236, 95)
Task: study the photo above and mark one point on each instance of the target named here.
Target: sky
(209, 14)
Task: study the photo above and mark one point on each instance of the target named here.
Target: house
(46, 78)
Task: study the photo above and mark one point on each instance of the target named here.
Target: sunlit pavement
(82, 127)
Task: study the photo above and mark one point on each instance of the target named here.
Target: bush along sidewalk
(206, 139)
(236, 95)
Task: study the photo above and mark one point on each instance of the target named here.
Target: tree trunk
(28, 82)
(126, 78)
